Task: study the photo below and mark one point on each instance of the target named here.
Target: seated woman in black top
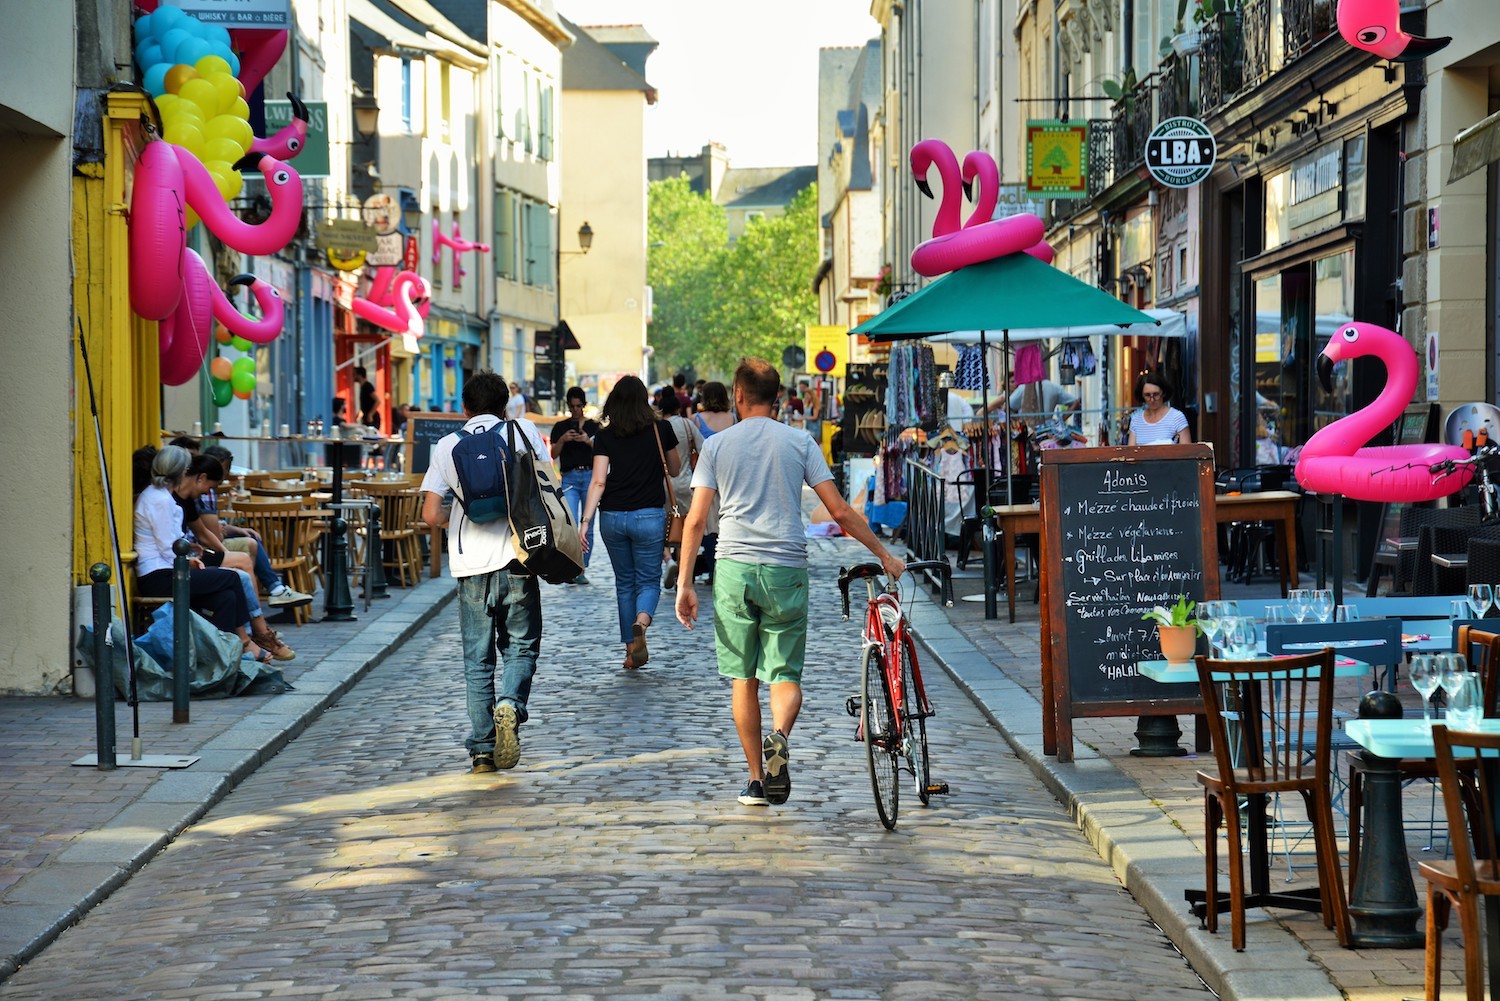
(634, 452)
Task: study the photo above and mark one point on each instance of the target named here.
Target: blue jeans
(575, 484)
(248, 586)
(514, 630)
(635, 540)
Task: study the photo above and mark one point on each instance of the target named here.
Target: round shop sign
(1180, 152)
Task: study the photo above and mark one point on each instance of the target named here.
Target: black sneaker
(753, 794)
(481, 763)
(507, 739)
(778, 775)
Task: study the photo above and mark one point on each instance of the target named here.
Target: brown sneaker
(270, 642)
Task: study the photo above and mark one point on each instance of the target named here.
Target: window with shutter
(546, 126)
(505, 234)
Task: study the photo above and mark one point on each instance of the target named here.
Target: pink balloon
(1375, 26)
(284, 186)
(158, 232)
(259, 48)
(185, 335)
(1333, 462)
(404, 318)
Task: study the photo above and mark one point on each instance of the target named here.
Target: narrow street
(364, 862)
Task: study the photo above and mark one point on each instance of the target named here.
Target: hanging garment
(972, 371)
(930, 405)
(1029, 364)
(1080, 354)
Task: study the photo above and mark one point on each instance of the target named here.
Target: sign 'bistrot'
(1180, 152)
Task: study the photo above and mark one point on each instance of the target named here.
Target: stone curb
(1153, 858)
(43, 904)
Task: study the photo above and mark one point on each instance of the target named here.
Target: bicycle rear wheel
(914, 722)
(881, 740)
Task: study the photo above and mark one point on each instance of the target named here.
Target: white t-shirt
(959, 410)
(515, 407)
(474, 549)
(1163, 432)
(1052, 396)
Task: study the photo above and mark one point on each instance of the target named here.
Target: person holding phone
(573, 448)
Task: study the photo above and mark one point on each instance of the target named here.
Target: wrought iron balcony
(1221, 62)
(1133, 118)
(1176, 94)
(1304, 23)
(1255, 21)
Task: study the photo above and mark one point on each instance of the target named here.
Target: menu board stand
(1123, 529)
(425, 429)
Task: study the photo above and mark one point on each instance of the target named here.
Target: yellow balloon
(226, 178)
(191, 219)
(230, 127)
(202, 93)
(239, 109)
(179, 75)
(165, 103)
(209, 65)
(227, 87)
(186, 135)
(220, 148)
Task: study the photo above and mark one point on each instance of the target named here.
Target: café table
(1012, 520)
(1383, 901)
(1276, 506)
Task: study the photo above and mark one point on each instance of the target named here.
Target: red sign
(409, 259)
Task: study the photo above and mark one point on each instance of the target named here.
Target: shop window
(406, 94)
(1354, 178)
(1278, 191)
(544, 149)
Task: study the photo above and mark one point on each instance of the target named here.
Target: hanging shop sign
(346, 235)
(1180, 152)
(239, 13)
(1057, 158)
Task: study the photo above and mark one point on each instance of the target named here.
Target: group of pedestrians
(748, 478)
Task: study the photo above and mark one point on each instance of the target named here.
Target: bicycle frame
(886, 627)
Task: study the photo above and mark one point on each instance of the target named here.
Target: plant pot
(1188, 43)
(1178, 643)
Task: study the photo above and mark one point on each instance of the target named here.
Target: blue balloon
(168, 17)
(192, 50)
(233, 61)
(171, 40)
(216, 35)
(145, 26)
(155, 79)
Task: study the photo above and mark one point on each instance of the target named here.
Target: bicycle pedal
(854, 705)
(937, 789)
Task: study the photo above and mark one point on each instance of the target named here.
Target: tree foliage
(714, 303)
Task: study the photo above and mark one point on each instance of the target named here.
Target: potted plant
(1177, 628)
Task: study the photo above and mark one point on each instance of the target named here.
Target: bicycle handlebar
(862, 571)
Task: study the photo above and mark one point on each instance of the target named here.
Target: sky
(744, 75)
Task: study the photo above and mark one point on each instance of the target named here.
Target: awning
(394, 32)
(1169, 323)
(1475, 148)
(565, 335)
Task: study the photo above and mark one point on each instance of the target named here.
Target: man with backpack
(498, 610)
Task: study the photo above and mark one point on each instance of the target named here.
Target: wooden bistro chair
(1272, 701)
(1469, 798)
(287, 536)
(400, 516)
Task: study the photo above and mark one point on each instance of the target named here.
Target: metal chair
(1445, 530)
(1470, 796)
(1271, 700)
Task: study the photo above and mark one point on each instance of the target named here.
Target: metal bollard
(375, 583)
(182, 636)
(338, 602)
(104, 670)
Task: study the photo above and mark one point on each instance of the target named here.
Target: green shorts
(760, 620)
(238, 544)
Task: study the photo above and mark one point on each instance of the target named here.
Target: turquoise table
(1171, 673)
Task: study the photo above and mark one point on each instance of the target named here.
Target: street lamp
(366, 115)
(585, 241)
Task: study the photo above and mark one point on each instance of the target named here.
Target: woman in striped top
(1157, 422)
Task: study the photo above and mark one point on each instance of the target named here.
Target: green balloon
(239, 343)
(243, 365)
(243, 382)
(223, 393)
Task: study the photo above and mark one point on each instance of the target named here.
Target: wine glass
(1450, 668)
(1481, 596)
(1466, 702)
(1299, 601)
(1239, 638)
(1209, 622)
(1424, 678)
(1459, 608)
(1322, 604)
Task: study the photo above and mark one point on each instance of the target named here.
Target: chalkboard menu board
(1124, 529)
(423, 430)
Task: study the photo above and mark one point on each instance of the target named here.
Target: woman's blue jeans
(635, 540)
(575, 484)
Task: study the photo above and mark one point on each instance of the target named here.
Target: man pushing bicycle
(757, 468)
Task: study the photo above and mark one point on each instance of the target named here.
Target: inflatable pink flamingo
(259, 49)
(158, 232)
(980, 238)
(981, 167)
(381, 284)
(283, 184)
(1375, 26)
(404, 318)
(183, 339)
(1043, 252)
(272, 311)
(458, 245)
(290, 138)
(926, 154)
(1333, 462)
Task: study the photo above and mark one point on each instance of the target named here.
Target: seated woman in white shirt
(215, 592)
(1157, 422)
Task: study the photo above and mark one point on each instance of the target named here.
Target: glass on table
(1239, 638)
(1276, 615)
(1481, 596)
(1466, 702)
(1459, 608)
(1451, 668)
(1424, 678)
(1299, 603)
(1208, 617)
(1346, 613)
(1321, 605)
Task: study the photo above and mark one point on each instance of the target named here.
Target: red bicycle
(892, 707)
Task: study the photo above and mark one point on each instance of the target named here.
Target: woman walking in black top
(633, 454)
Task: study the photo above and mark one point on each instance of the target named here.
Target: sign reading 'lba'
(1180, 152)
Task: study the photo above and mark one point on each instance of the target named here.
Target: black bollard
(338, 601)
(376, 586)
(104, 670)
(182, 636)
(1383, 902)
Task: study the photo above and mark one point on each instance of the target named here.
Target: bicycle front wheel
(882, 742)
(914, 722)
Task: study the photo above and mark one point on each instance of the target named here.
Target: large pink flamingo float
(405, 317)
(1333, 461)
(184, 338)
(1375, 26)
(458, 245)
(979, 167)
(954, 246)
(290, 138)
(382, 283)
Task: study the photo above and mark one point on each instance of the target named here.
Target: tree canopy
(714, 302)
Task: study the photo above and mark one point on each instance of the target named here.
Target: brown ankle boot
(268, 640)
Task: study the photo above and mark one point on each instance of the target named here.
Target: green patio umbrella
(1014, 292)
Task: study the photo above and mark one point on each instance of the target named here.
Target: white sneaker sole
(507, 739)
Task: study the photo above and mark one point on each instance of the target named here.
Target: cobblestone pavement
(363, 862)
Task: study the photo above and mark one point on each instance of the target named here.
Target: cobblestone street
(364, 862)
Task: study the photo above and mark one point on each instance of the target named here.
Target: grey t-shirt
(758, 466)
